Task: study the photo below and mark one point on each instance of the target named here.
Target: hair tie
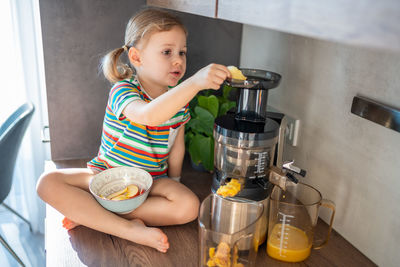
(125, 47)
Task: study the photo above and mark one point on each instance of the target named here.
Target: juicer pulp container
(230, 223)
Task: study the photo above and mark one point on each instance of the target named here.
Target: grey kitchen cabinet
(76, 89)
(366, 23)
(206, 8)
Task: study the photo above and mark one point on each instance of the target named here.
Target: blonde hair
(140, 26)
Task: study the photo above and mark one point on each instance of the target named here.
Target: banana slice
(236, 73)
(123, 191)
(132, 191)
(120, 197)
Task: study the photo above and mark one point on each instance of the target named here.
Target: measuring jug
(228, 230)
(293, 217)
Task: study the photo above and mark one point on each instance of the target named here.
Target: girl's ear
(134, 56)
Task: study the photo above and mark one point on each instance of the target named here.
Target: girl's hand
(211, 77)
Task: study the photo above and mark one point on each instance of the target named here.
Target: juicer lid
(228, 126)
(256, 79)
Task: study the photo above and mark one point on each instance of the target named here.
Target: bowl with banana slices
(121, 189)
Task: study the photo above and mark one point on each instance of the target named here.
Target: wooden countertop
(83, 246)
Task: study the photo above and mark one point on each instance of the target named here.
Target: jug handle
(242, 237)
(330, 205)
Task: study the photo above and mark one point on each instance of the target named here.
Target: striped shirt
(126, 143)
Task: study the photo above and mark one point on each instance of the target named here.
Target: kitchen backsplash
(352, 161)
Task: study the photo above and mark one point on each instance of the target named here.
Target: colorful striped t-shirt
(126, 143)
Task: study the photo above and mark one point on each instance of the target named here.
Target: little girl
(143, 127)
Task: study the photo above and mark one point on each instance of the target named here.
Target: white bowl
(115, 179)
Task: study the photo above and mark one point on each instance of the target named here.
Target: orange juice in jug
(288, 243)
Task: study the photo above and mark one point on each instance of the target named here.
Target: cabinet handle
(379, 113)
(43, 135)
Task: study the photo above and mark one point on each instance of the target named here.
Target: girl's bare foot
(148, 236)
(140, 233)
(68, 224)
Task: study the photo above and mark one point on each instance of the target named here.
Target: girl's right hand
(211, 77)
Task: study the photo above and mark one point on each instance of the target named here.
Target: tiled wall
(352, 161)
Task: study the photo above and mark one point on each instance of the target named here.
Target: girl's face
(162, 58)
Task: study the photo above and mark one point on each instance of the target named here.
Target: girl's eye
(182, 53)
(167, 52)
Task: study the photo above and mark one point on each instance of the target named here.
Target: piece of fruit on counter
(236, 73)
(129, 191)
(230, 189)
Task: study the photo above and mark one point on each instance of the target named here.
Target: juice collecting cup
(293, 216)
(228, 231)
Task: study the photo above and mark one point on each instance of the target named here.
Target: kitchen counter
(82, 246)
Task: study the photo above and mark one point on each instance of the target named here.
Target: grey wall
(76, 34)
(352, 161)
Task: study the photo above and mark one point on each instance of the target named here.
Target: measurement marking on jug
(285, 219)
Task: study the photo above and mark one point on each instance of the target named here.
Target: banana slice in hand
(236, 73)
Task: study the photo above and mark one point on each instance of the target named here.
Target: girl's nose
(178, 59)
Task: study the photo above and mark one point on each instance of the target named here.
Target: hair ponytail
(114, 70)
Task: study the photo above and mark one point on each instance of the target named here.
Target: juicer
(248, 146)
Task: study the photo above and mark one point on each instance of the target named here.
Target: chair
(11, 133)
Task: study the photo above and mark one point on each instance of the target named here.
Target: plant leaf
(197, 126)
(201, 150)
(188, 136)
(192, 104)
(205, 121)
(226, 91)
(225, 107)
(209, 103)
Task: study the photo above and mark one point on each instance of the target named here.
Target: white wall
(352, 161)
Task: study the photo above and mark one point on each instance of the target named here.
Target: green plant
(204, 108)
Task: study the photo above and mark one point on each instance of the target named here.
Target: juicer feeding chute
(256, 79)
(253, 95)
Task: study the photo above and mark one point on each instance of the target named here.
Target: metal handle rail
(379, 113)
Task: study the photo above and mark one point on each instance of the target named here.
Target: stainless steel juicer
(249, 147)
